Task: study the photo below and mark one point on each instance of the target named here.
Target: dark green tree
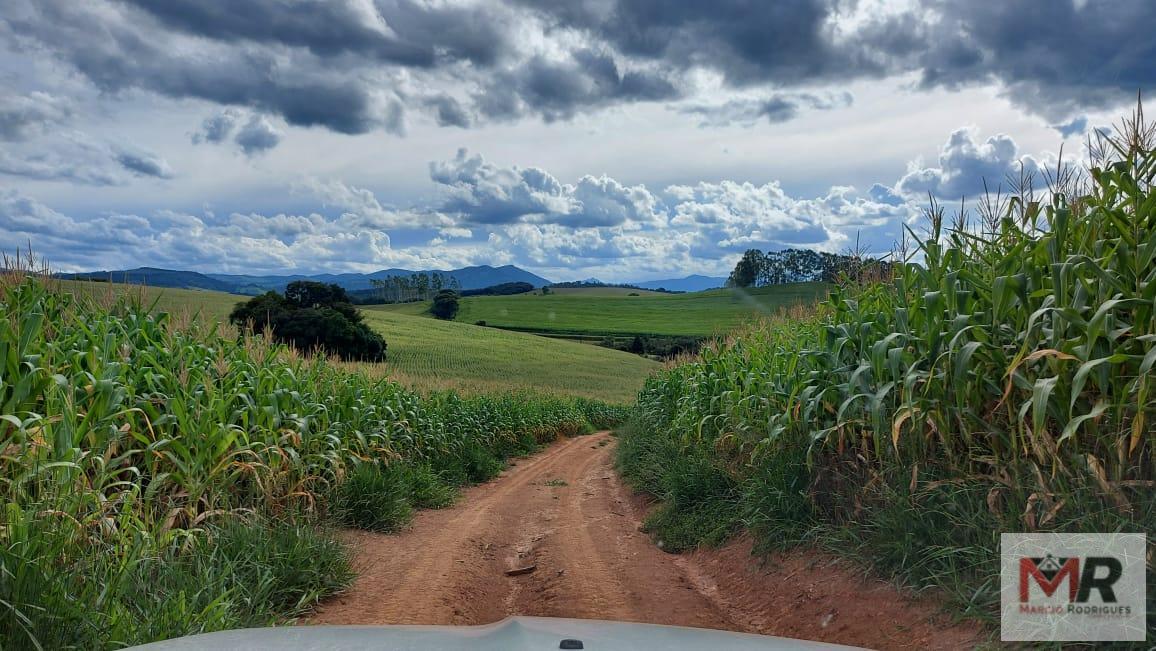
(311, 316)
(637, 346)
(445, 305)
(746, 272)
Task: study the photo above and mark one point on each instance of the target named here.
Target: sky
(626, 140)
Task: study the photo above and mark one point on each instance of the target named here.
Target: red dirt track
(566, 513)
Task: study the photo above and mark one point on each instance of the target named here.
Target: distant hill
(468, 277)
(693, 283)
(155, 278)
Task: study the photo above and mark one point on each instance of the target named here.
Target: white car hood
(510, 634)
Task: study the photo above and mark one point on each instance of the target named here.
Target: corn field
(1007, 364)
(131, 445)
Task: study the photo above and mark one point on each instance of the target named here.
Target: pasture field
(600, 291)
(427, 354)
(591, 312)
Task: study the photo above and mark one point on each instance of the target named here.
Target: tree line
(760, 268)
(414, 287)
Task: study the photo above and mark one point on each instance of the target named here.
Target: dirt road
(558, 535)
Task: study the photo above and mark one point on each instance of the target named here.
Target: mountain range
(692, 283)
(468, 277)
(477, 277)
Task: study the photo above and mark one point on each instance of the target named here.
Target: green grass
(586, 312)
(425, 353)
(213, 305)
(601, 291)
(443, 354)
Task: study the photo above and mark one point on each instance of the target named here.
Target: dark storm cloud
(557, 90)
(448, 112)
(1054, 57)
(354, 66)
(394, 31)
(119, 49)
(784, 42)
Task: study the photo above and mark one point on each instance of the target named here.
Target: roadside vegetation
(1001, 379)
(161, 476)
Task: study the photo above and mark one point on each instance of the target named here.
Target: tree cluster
(660, 346)
(312, 315)
(758, 269)
(501, 289)
(414, 287)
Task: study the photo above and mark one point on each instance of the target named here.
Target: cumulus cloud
(219, 127)
(484, 193)
(965, 164)
(258, 135)
(241, 243)
(557, 88)
(555, 224)
(253, 134)
(362, 209)
(353, 66)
